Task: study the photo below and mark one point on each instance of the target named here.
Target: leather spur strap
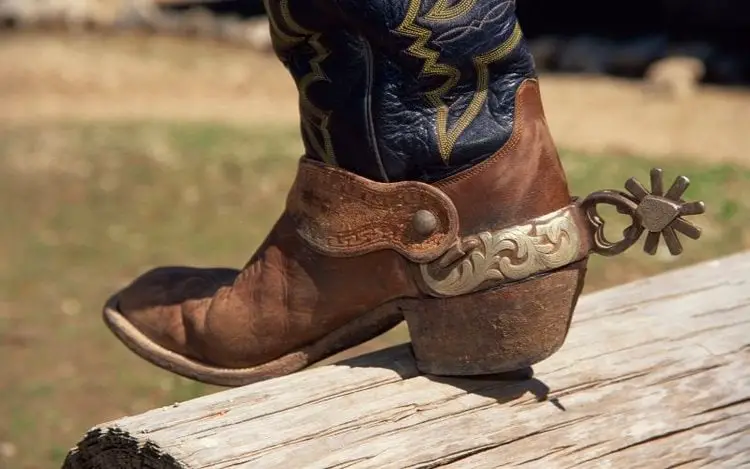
(340, 214)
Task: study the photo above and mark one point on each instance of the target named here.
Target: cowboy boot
(430, 190)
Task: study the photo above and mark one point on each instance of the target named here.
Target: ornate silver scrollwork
(545, 243)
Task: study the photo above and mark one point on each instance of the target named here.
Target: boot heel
(500, 330)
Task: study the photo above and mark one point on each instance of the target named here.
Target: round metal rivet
(424, 222)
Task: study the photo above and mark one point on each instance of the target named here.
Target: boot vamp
(285, 298)
(289, 296)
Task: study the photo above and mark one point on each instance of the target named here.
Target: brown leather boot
(484, 257)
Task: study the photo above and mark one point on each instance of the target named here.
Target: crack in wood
(600, 383)
(682, 463)
(652, 439)
(209, 430)
(459, 456)
(602, 355)
(555, 450)
(581, 449)
(357, 424)
(728, 309)
(455, 457)
(710, 463)
(657, 299)
(710, 329)
(351, 463)
(552, 428)
(737, 402)
(740, 431)
(467, 411)
(687, 374)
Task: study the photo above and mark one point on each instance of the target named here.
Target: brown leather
(341, 214)
(524, 179)
(303, 283)
(581, 219)
(287, 295)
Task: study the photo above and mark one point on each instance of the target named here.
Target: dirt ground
(112, 149)
(43, 78)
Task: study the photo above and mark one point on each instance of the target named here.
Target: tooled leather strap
(340, 214)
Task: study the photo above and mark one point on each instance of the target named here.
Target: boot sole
(362, 329)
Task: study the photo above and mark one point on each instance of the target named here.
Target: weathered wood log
(654, 374)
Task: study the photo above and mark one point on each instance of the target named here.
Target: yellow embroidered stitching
(441, 11)
(280, 37)
(447, 137)
(316, 74)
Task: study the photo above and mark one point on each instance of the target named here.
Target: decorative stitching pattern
(340, 214)
(314, 118)
(448, 136)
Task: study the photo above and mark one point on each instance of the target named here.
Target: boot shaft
(402, 89)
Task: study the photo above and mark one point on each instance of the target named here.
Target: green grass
(87, 207)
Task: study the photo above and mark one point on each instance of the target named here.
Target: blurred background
(135, 134)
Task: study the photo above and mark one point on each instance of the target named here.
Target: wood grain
(654, 374)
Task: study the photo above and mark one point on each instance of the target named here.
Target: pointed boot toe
(153, 315)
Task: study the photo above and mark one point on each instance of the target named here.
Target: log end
(114, 448)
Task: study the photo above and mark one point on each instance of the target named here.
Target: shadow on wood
(654, 374)
(500, 388)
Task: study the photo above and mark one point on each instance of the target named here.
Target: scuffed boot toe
(149, 315)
